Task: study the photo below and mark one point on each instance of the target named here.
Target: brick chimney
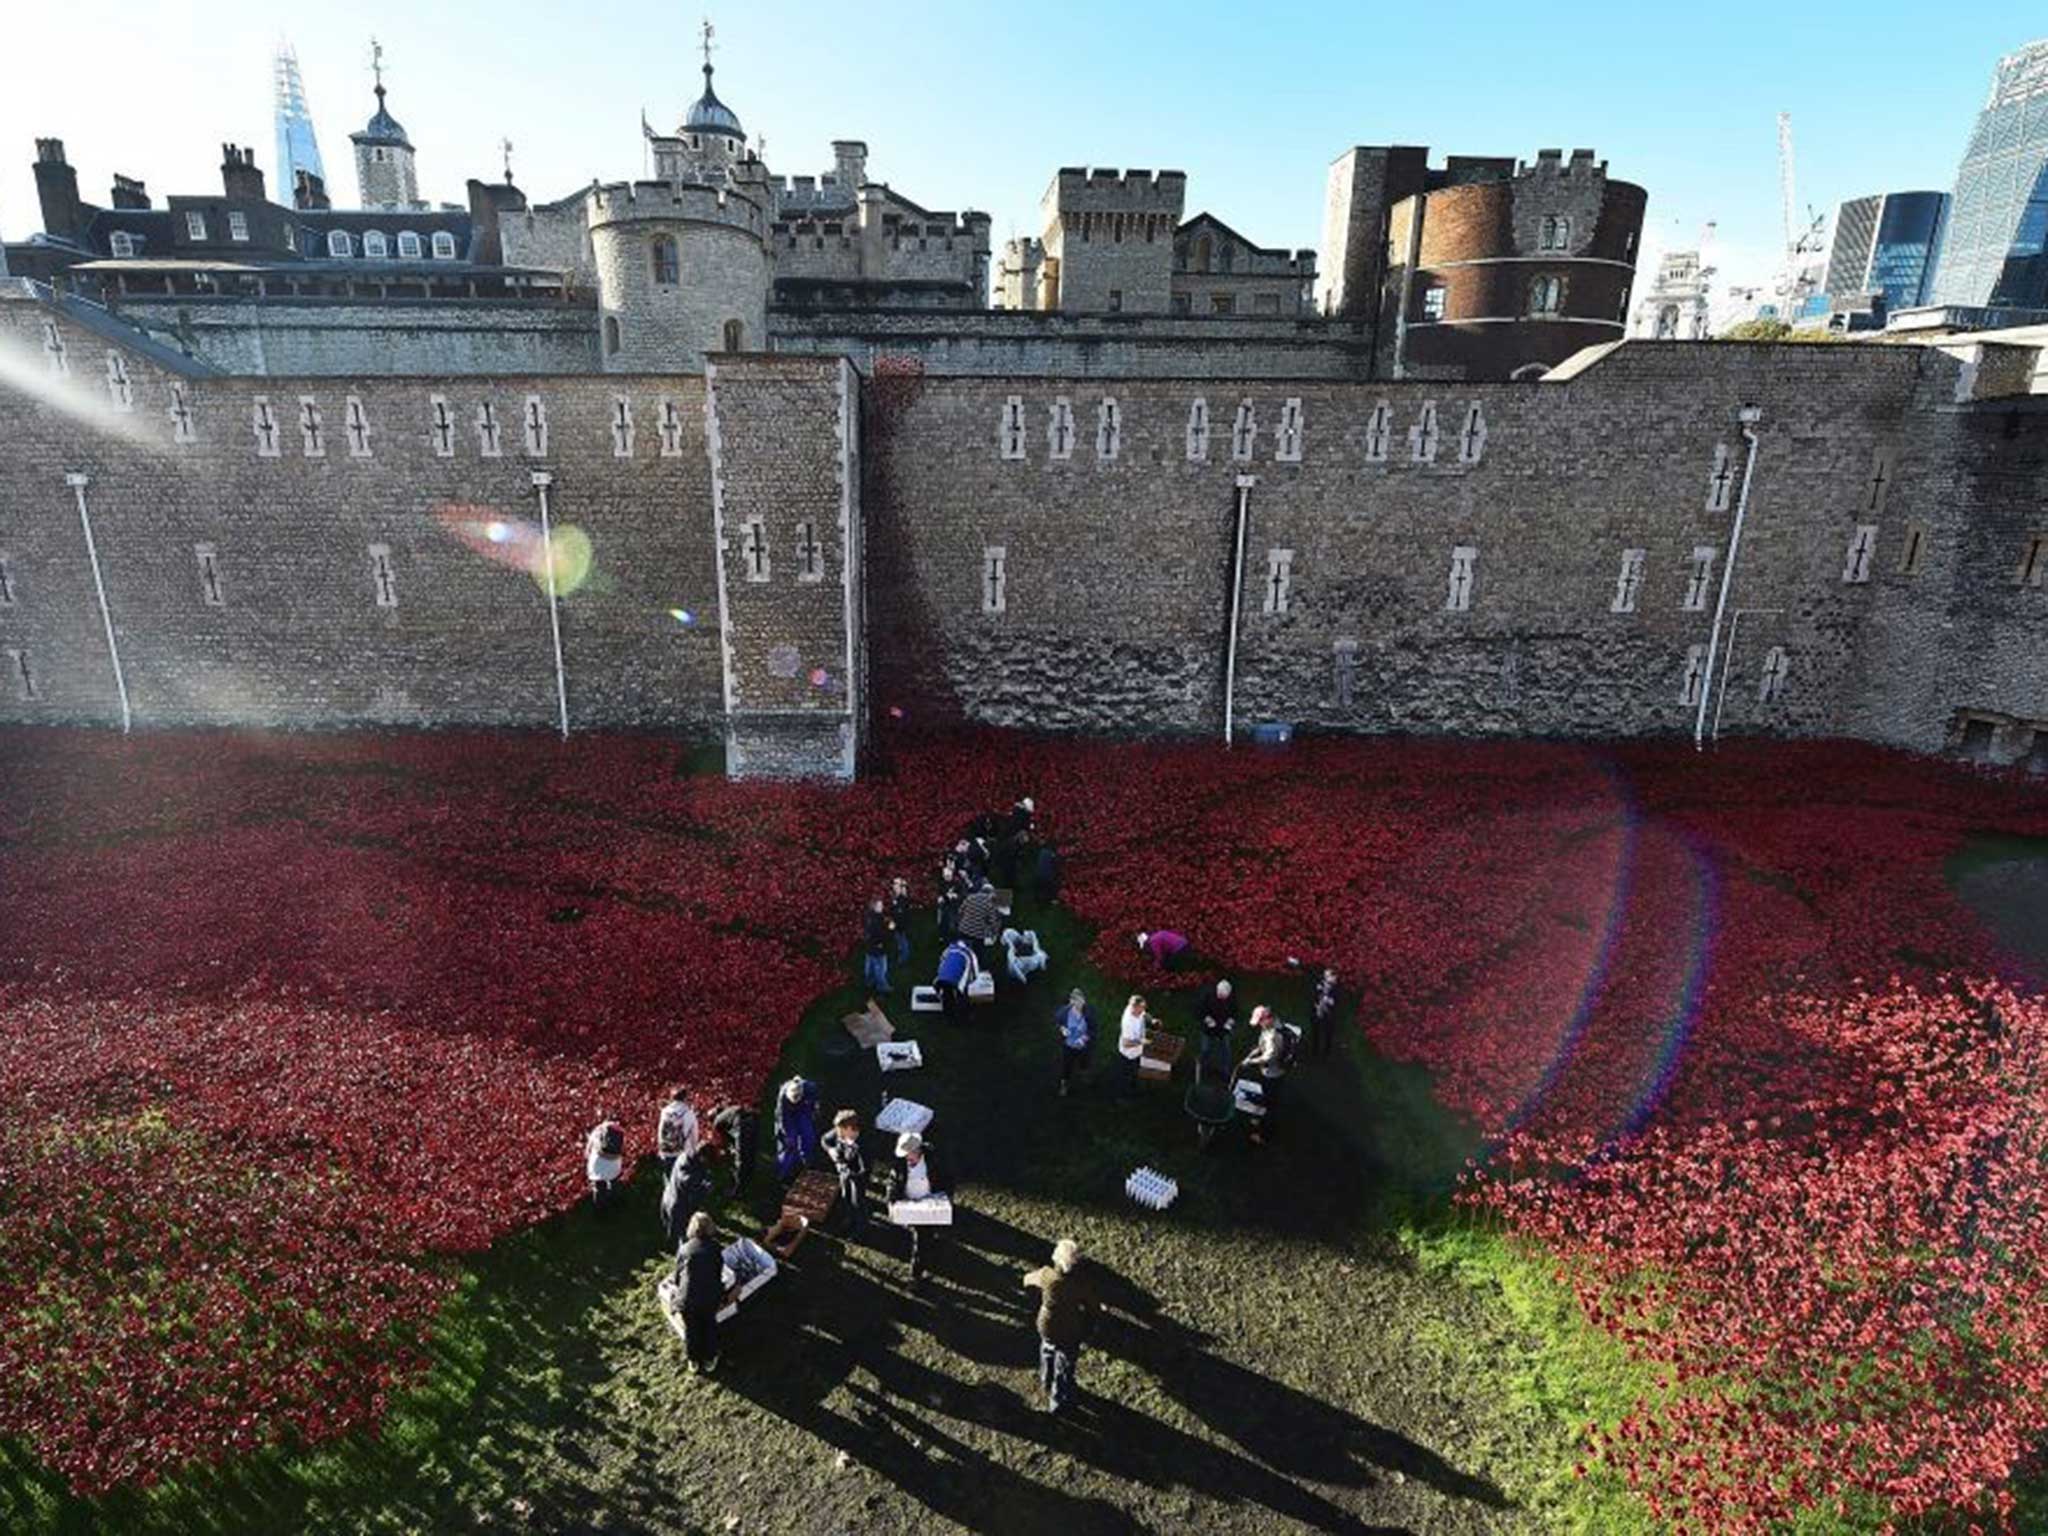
(240, 177)
(129, 193)
(57, 189)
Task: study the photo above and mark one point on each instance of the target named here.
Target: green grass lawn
(1309, 1339)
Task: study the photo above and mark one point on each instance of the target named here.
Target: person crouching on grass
(604, 1158)
(700, 1292)
(851, 1164)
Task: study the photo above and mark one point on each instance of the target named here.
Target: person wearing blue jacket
(1076, 1026)
(957, 970)
(796, 1127)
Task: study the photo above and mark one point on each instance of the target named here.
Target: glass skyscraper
(297, 149)
(1885, 245)
(1996, 251)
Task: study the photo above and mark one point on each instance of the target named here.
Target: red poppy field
(289, 1024)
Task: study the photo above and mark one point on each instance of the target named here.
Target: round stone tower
(683, 262)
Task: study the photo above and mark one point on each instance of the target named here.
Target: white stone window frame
(1425, 436)
(56, 355)
(1856, 560)
(1777, 667)
(533, 426)
(7, 593)
(122, 243)
(195, 224)
(1435, 302)
(184, 425)
(23, 674)
(490, 432)
(443, 245)
(1344, 665)
(1379, 432)
(755, 562)
(1198, 430)
(1060, 431)
(1472, 435)
(1693, 678)
(339, 246)
(207, 558)
(264, 425)
(355, 426)
(1109, 430)
(1288, 434)
(120, 387)
(1699, 581)
(238, 226)
(995, 579)
(1720, 479)
(1010, 430)
(1278, 593)
(312, 432)
(671, 429)
(1628, 582)
(375, 246)
(1464, 577)
(383, 578)
(409, 247)
(810, 553)
(440, 426)
(1244, 432)
(623, 428)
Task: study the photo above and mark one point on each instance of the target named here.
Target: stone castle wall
(1030, 550)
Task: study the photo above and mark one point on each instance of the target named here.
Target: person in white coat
(604, 1159)
(1130, 1044)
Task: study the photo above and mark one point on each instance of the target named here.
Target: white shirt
(675, 1130)
(1130, 1035)
(917, 1179)
(595, 1162)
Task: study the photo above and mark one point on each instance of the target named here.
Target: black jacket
(899, 912)
(1217, 1012)
(700, 1275)
(687, 1192)
(739, 1127)
(847, 1157)
(899, 1175)
(876, 930)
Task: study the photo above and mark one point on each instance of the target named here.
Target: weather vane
(377, 63)
(506, 146)
(707, 42)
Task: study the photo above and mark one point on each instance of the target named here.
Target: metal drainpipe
(1749, 416)
(78, 483)
(542, 481)
(1244, 514)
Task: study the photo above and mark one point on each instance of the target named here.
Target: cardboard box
(925, 1000)
(870, 1027)
(932, 1211)
(899, 1055)
(982, 989)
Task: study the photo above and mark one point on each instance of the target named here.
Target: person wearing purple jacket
(1165, 946)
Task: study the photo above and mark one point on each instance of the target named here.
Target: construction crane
(1785, 183)
(1805, 245)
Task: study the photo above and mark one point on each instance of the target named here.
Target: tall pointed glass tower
(297, 149)
(1996, 250)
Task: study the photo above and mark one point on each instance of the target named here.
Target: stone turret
(1109, 240)
(682, 271)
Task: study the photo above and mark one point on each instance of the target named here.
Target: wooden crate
(804, 1205)
(1162, 1054)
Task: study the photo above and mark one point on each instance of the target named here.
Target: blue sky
(978, 105)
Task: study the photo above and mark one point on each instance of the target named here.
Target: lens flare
(783, 661)
(683, 616)
(517, 544)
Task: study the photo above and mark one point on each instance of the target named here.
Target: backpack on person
(1290, 1044)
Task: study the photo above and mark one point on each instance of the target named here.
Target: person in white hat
(912, 1176)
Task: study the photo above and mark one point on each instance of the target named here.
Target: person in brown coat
(1069, 1298)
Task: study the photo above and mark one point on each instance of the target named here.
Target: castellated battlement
(1551, 162)
(623, 202)
(1078, 189)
